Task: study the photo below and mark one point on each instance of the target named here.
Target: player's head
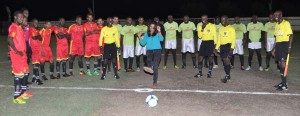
(109, 21)
(129, 20)
(18, 17)
(186, 19)
(271, 18)
(237, 19)
(100, 21)
(254, 18)
(170, 18)
(61, 21)
(25, 12)
(224, 20)
(47, 24)
(217, 18)
(204, 19)
(90, 17)
(141, 20)
(156, 19)
(34, 22)
(278, 15)
(115, 20)
(78, 20)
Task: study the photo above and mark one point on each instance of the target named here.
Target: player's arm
(117, 39)
(290, 42)
(12, 45)
(101, 38)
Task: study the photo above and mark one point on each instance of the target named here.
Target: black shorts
(225, 51)
(207, 48)
(281, 50)
(110, 51)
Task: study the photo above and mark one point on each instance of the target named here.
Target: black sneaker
(117, 76)
(283, 87)
(33, 80)
(103, 77)
(44, 77)
(198, 75)
(182, 67)
(209, 75)
(53, 77)
(58, 76)
(39, 82)
(278, 85)
(71, 73)
(226, 79)
(66, 75)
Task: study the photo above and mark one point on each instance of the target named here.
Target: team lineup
(101, 45)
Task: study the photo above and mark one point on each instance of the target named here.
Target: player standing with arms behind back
(254, 41)
(269, 39)
(171, 28)
(187, 28)
(283, 46)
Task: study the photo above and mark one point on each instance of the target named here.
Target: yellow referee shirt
(226, 35)
(209, 32)
(110, 35)
(283, 31)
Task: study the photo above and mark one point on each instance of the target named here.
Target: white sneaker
(148, 69)
(138, 69)
(248, 68)
(215, 66)
(261, 68)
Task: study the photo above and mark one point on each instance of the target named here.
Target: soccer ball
(151, 101)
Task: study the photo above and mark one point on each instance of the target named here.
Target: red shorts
(36, 55)
(48, 54)
(92, 49)
(62, 52)
(19, 63)
(76, 49)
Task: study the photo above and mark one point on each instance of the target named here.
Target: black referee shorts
(206, 48)
(110, 51)
(281, 50)
(225, 51)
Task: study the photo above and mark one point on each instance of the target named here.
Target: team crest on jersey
(114, 34)
(225, 33)
(208, 30)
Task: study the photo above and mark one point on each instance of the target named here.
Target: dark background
(52, 9)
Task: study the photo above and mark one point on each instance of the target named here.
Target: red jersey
(62, 41)
(17, 33)
(46, 36)
(91, 26)
(32, 33)
(76, 32)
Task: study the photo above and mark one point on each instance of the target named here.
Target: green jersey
(140, 28)
(119, 27)
(128, 33)
(240, 30)
(187, 30)
(270, 28)
(171, 29)
(255, 31)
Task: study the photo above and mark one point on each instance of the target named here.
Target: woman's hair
(155, 30)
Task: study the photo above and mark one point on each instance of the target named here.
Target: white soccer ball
(151, 101)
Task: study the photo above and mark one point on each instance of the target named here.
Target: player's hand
(101, 49)
(273, 52)
(139, 35)
(118, 50)
(231, 52)
(216, 52)
(289, 50)
(158, 28)
(19, 53)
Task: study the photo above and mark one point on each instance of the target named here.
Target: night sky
(53, 9)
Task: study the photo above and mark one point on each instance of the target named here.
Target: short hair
(90, 14)
(47, 21)
(78, 16)
(128, 17)
(24, 9)
(278, 11)
(60, 18)
(34, 19)
(17, 12)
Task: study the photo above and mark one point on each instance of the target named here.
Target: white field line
(145, 90)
